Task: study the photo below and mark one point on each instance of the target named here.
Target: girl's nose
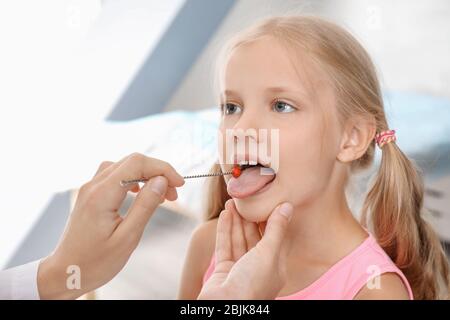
(247, 126)
(244, 135)
(245, 143)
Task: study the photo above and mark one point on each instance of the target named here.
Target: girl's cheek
(221, 146)
(290, 154)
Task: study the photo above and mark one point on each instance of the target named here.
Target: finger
(276, 227)
(223, 251)
(251, 233)
(262, 227)
(107, 167)
(143, 207)
(139, 166)
(107, 171)
(135, 166)
(239, 245)
(171, 194)
(102, 167)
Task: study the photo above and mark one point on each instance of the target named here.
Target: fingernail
(286, 210)
(158, 185)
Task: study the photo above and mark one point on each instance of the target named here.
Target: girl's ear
(358, 134)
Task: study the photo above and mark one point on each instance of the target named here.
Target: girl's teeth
(266, 171)
(245, 162)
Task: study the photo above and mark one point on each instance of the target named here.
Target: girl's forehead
(267, 65)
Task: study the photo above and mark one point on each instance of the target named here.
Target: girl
(312, 80)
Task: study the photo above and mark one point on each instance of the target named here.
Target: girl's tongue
(249, 182)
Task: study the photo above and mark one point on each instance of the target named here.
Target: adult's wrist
(52, 280)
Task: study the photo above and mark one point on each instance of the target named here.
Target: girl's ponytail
(393, 207)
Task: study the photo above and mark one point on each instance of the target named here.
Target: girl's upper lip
(245, 159)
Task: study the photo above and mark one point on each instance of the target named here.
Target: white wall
(408, 40)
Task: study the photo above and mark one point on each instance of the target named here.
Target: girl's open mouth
(253, 179)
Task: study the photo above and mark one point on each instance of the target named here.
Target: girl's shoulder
(203, 243)
(391, 287)
(204, 236)
(198, 257)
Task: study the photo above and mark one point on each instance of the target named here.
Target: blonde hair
(394, 202)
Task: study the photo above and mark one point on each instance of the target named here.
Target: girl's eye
(282, 107)
(231, 108)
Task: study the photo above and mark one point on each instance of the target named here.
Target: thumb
(276, 227)
(151, 195)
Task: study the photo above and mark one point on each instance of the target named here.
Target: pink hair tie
(385, 137)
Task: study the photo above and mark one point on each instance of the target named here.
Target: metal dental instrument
(236, 172)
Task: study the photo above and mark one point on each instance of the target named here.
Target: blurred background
(84, 81)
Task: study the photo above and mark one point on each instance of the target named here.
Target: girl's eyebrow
(284, 89)
(229, 93)
(270, 89)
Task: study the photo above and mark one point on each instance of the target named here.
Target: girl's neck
(324, 229)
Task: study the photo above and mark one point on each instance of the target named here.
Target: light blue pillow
(422, 122)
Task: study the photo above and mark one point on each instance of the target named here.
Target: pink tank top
(348, 276)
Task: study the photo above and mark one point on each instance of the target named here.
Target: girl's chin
(252, 213)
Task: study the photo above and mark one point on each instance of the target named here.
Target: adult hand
(248, 266)
(97, 241)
